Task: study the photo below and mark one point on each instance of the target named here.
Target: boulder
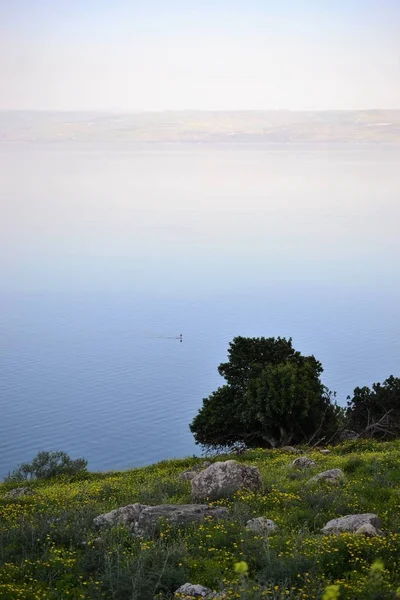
(368, 530)
(351, 523)
(331, 476)
(193, 591)
(19, 492)
(222, 479)
(303, 462)
(177, 514)
(143, 519)
(187, 475)
(126, 515)
(261, 526)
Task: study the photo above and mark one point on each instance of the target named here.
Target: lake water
(108, 252)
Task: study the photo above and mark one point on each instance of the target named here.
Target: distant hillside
(200, 126)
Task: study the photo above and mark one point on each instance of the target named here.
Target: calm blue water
(108, 252)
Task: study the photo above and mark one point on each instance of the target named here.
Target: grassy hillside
(50, 550)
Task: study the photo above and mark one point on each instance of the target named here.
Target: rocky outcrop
(333, 476)
(351, 523)
(222, 479)
(262, 526)
(19, 492)
(143, 520)
(303, 462)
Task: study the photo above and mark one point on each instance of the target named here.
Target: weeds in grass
(49, 549)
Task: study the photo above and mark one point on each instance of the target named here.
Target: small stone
(333, 476)
(19, 492)
(303, 462)
(194, 591)
(291, 449)
(262, 526)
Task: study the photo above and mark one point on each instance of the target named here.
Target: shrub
(46, 465)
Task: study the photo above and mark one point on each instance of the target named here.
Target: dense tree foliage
(273, 396)
(376, 411)
(46, 465)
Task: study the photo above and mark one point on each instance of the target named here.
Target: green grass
(49, 549)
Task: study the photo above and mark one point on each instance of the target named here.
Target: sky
(126, 55)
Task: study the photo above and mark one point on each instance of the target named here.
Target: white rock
(222, 479)
(351, 523)
(19, 492)
(125, 515)
(330, 476)
(261, 526)
(303, 462)
(196, 591)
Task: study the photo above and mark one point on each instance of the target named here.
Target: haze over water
(110, 251)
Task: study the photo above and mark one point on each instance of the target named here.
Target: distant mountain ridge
(279, 126)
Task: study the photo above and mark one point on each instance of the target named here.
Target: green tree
(376, 411)
(273, 396)
(217, 421)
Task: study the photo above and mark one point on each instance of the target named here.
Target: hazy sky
(203, 54)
